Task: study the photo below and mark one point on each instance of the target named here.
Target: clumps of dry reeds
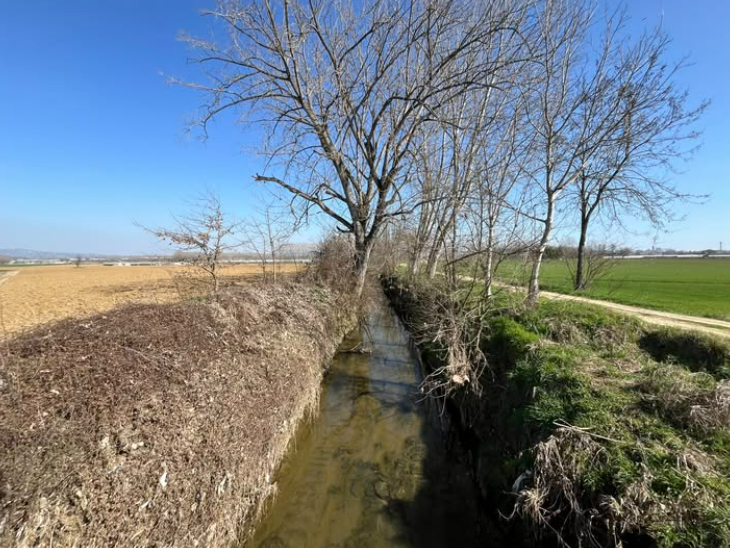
(555, 499)
(459, 339)
(692, 514)
(158, 425)
(693, 400)
(450, 330)
(562, 331)
(559, 501)
(712, 409)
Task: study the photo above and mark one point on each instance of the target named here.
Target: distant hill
(289, 251)
(32, 254)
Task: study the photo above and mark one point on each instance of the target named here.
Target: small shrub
(332, 263)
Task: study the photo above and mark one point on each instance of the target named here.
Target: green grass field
(699, 287)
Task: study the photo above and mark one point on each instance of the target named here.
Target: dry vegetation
(156, 425)
(36, 295)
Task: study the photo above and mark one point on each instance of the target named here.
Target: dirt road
(710, 326)
(657, 317)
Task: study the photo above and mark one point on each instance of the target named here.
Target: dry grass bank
(39, 294)
(158, 425)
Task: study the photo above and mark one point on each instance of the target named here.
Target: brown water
(372, 469)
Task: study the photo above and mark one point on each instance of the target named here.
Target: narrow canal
(372, 470)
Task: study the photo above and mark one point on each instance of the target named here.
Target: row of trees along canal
(471, 126)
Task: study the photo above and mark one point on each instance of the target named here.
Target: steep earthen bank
(158, 425)
(588, 428)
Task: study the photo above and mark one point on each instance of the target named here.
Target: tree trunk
(363, 250)
(488, 266)
(580, 281)
(215, 285)
(488, 275)
(414, 264)
(439, 243)
(273, 263)
(533, 293)
(452, 273)
(433, 261)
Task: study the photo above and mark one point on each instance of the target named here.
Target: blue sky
(92, 138)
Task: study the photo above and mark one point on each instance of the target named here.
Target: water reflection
(371, 470)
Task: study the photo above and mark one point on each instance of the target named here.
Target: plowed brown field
(41, 294)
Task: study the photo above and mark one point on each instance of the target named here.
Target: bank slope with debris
(591, 428)
(158, 425)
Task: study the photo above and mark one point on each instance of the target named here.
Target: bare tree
(455, 162)
(344, 89)
(428, 174)
(78, 260)
(551, 100)
(204, 236)
(267, 235)
(497, 204)
(605, 120)
(463, 126)
(598, 261)
(626, 173)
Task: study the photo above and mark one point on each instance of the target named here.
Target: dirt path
(710, 326)
(657, 317)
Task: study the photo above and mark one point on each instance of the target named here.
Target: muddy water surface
(372, 469)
